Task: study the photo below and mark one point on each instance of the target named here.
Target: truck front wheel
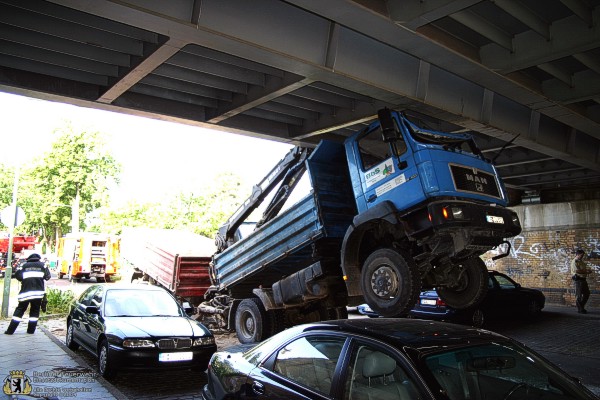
(390, 282)
(251, 324)
(470, 288)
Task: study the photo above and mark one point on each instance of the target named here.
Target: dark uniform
(580, 272)
(32, 276)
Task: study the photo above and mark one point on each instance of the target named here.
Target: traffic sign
(7, 216)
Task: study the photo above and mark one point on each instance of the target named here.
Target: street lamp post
(11, 230)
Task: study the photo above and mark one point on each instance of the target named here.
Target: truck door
(384, 176)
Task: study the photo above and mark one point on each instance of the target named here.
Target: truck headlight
(457, 213)
(515, 220)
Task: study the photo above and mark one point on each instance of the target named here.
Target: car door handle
(258, 388)
(371, 198)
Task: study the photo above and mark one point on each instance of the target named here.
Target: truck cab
(431, 199)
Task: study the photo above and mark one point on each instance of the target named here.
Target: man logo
(17, 383)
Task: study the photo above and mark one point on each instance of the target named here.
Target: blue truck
(395, 209)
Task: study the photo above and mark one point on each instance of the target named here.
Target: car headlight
(203, 341)
(138, 343)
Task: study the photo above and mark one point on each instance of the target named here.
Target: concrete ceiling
(301, 70)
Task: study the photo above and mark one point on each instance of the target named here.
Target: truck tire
(390, 282)
(251, 323)
(472, 286)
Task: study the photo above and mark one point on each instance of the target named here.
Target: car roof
(417, 334)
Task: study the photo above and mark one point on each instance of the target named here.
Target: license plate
(170, 357)
(494, 220)
(428, 302)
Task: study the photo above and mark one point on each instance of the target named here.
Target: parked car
(365, 309)
(504, 298)
(137, 327)
(387, 358)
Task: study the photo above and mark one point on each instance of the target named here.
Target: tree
(200, 213)
(77, 172)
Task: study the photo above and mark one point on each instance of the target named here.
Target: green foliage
(59, 301)
(202, 214)
(77, 165)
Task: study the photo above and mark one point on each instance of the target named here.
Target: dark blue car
(504, 298)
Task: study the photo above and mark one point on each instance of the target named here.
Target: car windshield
(139, 303)
(500, 371)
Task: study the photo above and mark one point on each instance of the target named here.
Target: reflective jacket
(32, 276)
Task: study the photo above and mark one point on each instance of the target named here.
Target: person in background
(580, 271)
(32, 276)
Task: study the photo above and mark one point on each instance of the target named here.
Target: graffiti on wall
(551, 254)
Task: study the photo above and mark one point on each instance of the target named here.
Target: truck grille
(474, 180)
(167, 344)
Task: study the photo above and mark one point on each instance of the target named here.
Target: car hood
(153, 327)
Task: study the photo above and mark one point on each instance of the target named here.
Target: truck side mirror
(389, 130)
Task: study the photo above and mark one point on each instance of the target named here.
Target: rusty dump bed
(177, 260)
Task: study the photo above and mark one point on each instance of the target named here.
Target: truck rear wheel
(471, 287)
(390, 282)
(251, 323)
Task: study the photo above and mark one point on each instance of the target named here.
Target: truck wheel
(337, 313)
(276, 321)
(390, 282)
(471, 287)
(251, 324)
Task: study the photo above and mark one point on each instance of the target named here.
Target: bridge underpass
(298, 71)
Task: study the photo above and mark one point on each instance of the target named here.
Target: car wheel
(105, 367)
(478, 318)
(251, 324)
(60, 275)
(69, 338)
(390, 282)
(338, 313)
(471, 288)
(534, 308)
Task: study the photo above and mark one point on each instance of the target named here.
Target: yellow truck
(88, 255)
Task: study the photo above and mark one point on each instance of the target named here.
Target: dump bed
(177, 260)
(309, 231)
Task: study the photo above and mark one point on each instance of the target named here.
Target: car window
(87, 295)
(504, 283)
(374, 373)
(496, 371)
(97, 297)
(310, 361)
(373, 150)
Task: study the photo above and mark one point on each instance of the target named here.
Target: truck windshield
(462, 141)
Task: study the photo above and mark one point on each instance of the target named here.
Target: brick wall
(540, 257)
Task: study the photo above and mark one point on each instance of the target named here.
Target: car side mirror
(92, 310)
(389, 129)
(189, 309)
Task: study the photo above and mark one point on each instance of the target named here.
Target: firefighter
(31, 275)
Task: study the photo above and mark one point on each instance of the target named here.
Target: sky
(156, 157)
